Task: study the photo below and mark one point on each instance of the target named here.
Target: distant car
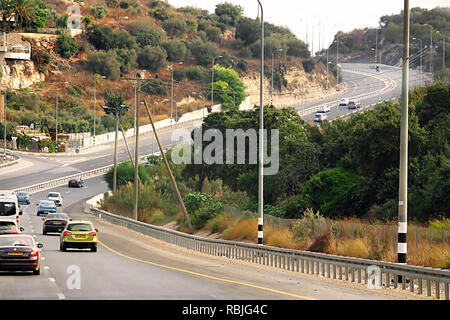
(55, 197)
(75, 182)
(318, 117)
(79, 234)
(55, 222)
(343, 103)
(353, 104)
(10, 227)
(23, 197)
(323, 109)
(20, 253)
(46, 207)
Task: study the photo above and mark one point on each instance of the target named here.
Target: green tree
(227, 86)
(176, 50)
(147, 33)
(152, 59)
(228, 13)
(104, 63)
(66, 46)
(125, 174)
(175, 27)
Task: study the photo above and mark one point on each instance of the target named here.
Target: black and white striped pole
(403, 177)
(261, 138)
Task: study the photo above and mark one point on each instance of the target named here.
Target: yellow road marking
(205, 275)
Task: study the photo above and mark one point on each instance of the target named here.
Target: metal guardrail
(421, 280)
(14, 160)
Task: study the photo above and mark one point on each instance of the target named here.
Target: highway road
(366, 85)
(129, 265)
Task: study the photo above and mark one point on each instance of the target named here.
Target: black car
(20, 253)
(55, 222)
(75, 182)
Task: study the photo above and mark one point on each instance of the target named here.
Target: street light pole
(136, 151)
(403, 177)
(261, 138)
(4, 127)
(56, 115)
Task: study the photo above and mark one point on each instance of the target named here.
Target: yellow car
(80, 235)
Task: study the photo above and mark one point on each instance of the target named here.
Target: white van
(9, 207)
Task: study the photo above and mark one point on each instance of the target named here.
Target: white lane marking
(52, 279)
(46, 267)
(67, 192)
(61, 296)
(42, 258)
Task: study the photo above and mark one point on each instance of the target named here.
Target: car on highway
(323, 109)
(55, 222)
(343, 102)
(80, 235)
(75, 182)
(353, 104)
(23, 197)
(46, 207)
(55, 197)
(10, 227)
(9, 207)
(20, 252)
(318, 117)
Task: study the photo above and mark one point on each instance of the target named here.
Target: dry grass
(282, 239)
(352, 248)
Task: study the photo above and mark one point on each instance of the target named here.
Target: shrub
(221, 222)
(176, 50)
(155, 87)
(104, 63)
(204, 52)
(74, 91)
(106, 38)
(99, 12)
(194, 201)
(197, 73)
(126, 58)
(147, 33)
(67, 47)
(308, 65)
(246, 229)
(112, 3)
(152, 59)
(191, 26)
(206, 212)
(305, 227)
(179, 74)
(213, 34)
(228, 13)
(125, 174)
(175, 27)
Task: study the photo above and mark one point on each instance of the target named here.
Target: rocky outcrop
(16, 74)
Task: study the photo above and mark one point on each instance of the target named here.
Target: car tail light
(47, 222)
(67, 233)
(93, 234)
(34, 253)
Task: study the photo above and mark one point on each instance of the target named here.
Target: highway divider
(375, 274)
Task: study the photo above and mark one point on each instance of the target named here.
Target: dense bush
(66, 46)
(197, 73)
(125, 174)
(308, 65)
(228, 13)
(213, 34)
(126, 58)
(99, 12)
(104, 63)
(205, 213)
(147, 33)
(196, 200)
(176, 50)
(204, 52)
(175, 27)
(152, 59)
(106, 38)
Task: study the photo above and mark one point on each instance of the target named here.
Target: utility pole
(172, 179)
(115, 151)
(261, 138)
(337, 59)
(136, 151)
(56, 115)
(403, 178)
(4, 128)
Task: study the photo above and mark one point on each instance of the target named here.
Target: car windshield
(22, 194)
(7, 208)
(321, 111)
(7, 226)
(46, 204)
(57, 216)
(6, 241)
(53, 195)
(318, 115)
(80, 227)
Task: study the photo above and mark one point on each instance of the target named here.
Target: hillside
(427, 26)
(121, 38)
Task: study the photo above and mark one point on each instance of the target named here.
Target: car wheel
(94, 248)
(44, 232)
(62, 247)
(37, 272)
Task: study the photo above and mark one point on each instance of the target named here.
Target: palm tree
(6, 12)
(24, 11)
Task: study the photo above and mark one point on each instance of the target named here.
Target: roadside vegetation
(336, 188)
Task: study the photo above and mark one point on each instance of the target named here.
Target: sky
(309, 17)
